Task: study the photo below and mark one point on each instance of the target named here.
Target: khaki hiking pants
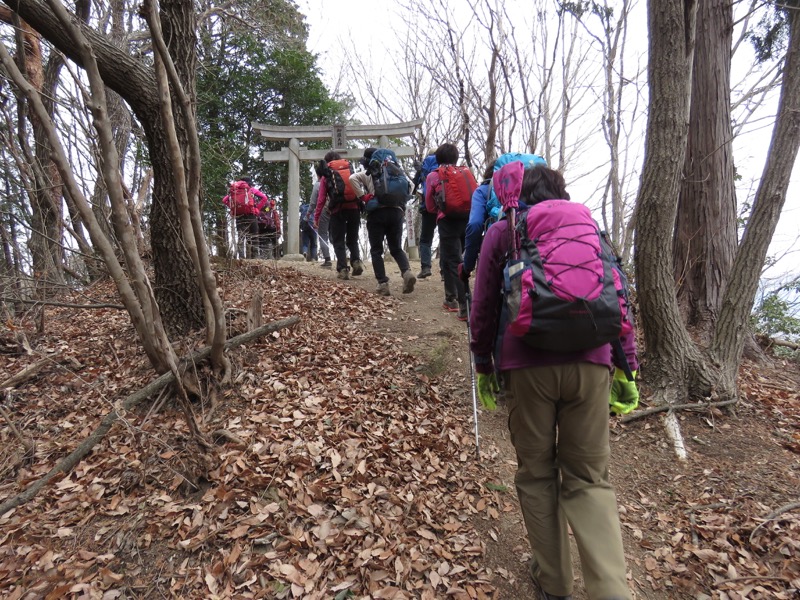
(558, 419)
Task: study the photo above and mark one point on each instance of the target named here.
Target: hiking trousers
(558, 420)
(386, 223)
(451, 251)
(427, 228)
(344, 236)
(324, 225)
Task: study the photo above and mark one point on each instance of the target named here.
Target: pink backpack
(241, 199)
(564, 288)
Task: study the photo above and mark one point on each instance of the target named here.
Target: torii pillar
(338, 134)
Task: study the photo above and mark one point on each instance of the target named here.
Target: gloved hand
(367, 197)
(624, 395)
(487, 390)
(463, 274)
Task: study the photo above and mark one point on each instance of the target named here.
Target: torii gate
(338, 134)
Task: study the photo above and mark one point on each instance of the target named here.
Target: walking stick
(327, 245)
(468, 298)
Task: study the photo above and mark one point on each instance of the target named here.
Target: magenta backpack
(564, 289)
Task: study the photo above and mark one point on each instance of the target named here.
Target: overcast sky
(369, 25)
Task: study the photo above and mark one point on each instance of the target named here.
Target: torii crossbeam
(339, 135)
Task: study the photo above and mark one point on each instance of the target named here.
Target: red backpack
(240, 199)
(339, 188)
(454, 197)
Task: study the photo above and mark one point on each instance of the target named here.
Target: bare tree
(678, 367)
(182, 165)
(705, 228)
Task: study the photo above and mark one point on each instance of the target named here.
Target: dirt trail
(439, 339)
(691, 530)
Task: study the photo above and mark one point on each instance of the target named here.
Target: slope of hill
(344, 465)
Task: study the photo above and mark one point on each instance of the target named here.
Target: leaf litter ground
(347, 466)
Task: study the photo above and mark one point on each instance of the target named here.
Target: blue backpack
(493, 206)
(428, 166)
(392, 187)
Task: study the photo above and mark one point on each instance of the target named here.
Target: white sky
(334, 24)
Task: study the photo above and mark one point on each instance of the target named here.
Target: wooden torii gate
(338, 134)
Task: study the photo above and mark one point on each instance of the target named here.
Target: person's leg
(376, 231)
(338, 231)
(532, 395)
(353, 219)
(324, 228)
(241, 236)
(394, 239)
(450, 249)
(428, 226)
(587, 497)
(312, 245)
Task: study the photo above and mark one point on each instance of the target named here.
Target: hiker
(336, 192)
(448, 193)
(245, 202)
(269, 230)
(308, 238)
(385, 217)
(485, 208)
(473, 235)
(428, 224)
(557, 401)
(324, 221)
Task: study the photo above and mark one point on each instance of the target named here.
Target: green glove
(624, 395)
(487, 388)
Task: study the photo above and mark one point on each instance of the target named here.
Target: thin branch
(673, 407)
(773, 515)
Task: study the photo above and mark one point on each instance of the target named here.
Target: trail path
(704, 529)
(440, 340)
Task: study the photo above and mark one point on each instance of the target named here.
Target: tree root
(69, 462)
(675, 407)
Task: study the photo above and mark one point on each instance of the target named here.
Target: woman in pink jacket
(558, 406)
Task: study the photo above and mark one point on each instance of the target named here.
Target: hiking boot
(542, 595)
(327, 264)
(383, 289)
(408, 282)
(424, 272)
(343, 274)
(462, 311)
(450, 305)
(358, 267)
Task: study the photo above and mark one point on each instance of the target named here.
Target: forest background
(123, 124)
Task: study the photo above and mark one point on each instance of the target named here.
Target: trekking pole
(319, 237)
(468, 298)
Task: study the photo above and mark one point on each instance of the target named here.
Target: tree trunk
(705, 230)
(177, 291)
(737, 302)
(176, 287)
(673, 361)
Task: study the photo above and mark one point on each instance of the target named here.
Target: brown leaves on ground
(706, 529)
(356, 480)
(345, 467)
